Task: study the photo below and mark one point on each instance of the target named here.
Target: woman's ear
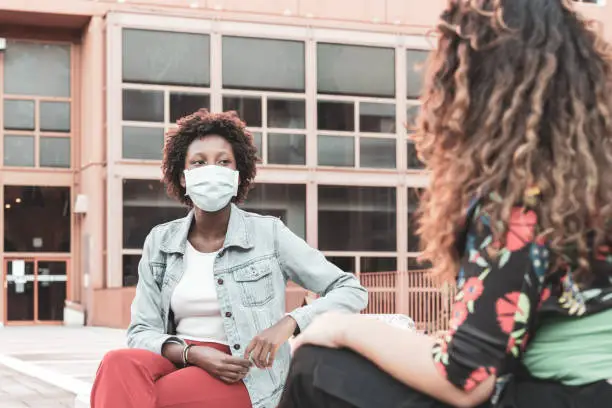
(183, 183)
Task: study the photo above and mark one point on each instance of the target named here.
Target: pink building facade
(89, 87)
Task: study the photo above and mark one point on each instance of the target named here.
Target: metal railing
(411, 293)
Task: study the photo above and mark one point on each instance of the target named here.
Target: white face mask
(211, 188)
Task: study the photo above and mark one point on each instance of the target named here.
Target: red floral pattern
(478, 376)
(472, 289)
(522, 227)
(458, 315)
(506, 309)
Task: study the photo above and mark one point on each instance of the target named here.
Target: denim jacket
(259, 256)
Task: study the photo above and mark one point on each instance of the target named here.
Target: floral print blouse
(502, 294)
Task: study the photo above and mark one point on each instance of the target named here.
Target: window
(284, 201)
(255, 71)
(166, 58)
(369, 264)
(145, 205)
(178, 61)
(413, 205)
(36, 219)
(37, 69)
(359, 129)
(415, 67)
(357, 218)
(355, 70)
(37, 105)
(366, 139)
(281, 139)
(148, 114)
(263, 64)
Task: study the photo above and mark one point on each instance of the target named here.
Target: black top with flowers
(502, 294)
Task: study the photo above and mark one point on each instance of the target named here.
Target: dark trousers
(328, 378)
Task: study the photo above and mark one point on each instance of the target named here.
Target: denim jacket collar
(237, 233)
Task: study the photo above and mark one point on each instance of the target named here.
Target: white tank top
(197, 313)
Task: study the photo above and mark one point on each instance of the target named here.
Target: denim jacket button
(228, 314)
(220, 281)
(236, 346)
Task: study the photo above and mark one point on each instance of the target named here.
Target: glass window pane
(18, 115)
(415, 68)
(378, 265)
(336, 151)
(285, 201)
(20, 292)
(413, 205)
(257, 137)
(412, 112)
(37, 69)
(163, 57)
(183, 104)
(413, 158)
(346, 263)
(357, 218)
(55, 116)
(55, 152)
(143, 143)
(286, 149)
(377, 117)
(19, 151)
(51, 290)
(143, 106)
(377, 153)
(287, 113)
(336, 116)
(414, 264)
(355, 70)
(130, 270)
(37, 219)
(248, 108)
(145, 205)
(256, 63)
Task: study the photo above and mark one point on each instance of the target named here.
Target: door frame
(36, 258)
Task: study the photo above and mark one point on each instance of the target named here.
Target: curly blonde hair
(518, 97)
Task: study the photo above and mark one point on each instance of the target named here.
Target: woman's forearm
(407, 356)
(173, 352)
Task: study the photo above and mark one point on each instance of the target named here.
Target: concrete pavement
(55, 361)
(19, 391)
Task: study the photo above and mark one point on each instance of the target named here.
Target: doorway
(35, 290)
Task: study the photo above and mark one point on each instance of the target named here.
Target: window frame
(309, 174)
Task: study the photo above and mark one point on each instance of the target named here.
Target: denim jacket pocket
(255, 283)
(158, 270)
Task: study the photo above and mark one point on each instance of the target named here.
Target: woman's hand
(262, 349)
(225, 367)
(326, 330)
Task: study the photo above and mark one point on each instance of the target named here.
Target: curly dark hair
(518, 98)
(198, 125)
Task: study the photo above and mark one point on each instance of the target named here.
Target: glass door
(19, 286)
(35, 290)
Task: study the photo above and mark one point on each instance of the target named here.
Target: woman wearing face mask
(209, 328)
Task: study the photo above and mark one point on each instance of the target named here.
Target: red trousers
(134, 378)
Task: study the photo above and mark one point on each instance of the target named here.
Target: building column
(92, 185)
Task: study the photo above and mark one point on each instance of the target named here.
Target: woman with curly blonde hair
(516, 130)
